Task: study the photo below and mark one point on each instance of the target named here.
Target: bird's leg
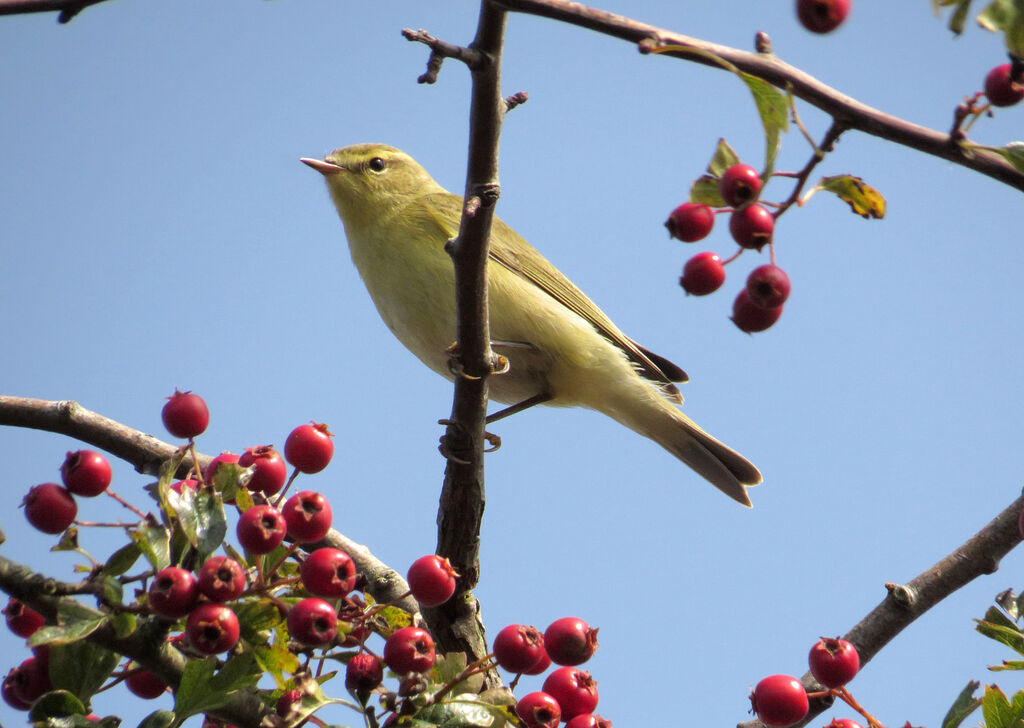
(519, 407)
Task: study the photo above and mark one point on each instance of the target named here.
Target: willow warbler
(558, 343)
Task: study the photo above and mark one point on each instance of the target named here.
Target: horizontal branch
(847, 111)
(67, 8)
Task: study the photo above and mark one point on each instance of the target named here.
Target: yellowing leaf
(862, 198)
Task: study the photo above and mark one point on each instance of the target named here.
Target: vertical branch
(456, 624)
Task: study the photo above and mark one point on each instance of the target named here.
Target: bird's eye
(377, 164)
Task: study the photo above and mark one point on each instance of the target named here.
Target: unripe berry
(690, 222)
(822, 16)
(432, 580)
(739, 184)
(86, 473)
(309, 448)
(751, 318)
(702, 274)
(752, 226)
(50, 508)
(779, 701)
(768, 286)
(1000, 89)
(539, 710)
(570, 641)
(185, 415)
(833, 662)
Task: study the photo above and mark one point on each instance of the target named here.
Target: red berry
(188, 483)
(588, 720)
(768, 286)
(432, 580)
(519, 648)
(739, 184)
(174, 592)
(702, 274)
(212, 628)
(224, 457)
(752, 226)
(288, 698)
(308, 515)
(261, 529)
(539, 710)
(221, 579)
(23, 621)
(574, 689)
(356, 636)
(779, 701)
(309, 448)
(570, 641)
(842, 723)
(409, 649)
(750, 317)
(30, 679)
(9, 694)
(313, 622)
(363, 673)
(50, 508)
(834, 662)
(145, 684)
(185, 415)
(541, 667)
(690, 222)
(269, 470)
(1000, 89)
(86, 473)
(328, 572)
(822, 16)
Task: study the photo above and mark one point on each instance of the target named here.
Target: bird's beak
(322, 166)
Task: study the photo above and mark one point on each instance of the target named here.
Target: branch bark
(67, 8)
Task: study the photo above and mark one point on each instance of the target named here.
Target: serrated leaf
(1000, 712)
(774, 112)
(276, 661)
(229, 479)
(158, 719)
(56, 704)
(963, 706)
(723, 158)
(68, 541)
(862, 198)
(1008, 665)
(202, 690)
(999, 627)
(122, 559)
(391, 619)
(258, 619)
(154, 542)
(81, 668)
(169, 470)
(74, 621)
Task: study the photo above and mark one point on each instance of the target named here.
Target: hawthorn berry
(288, 698)
(1000, 88)
(212, 628)
(313, 622)
(779, 701)
(363, 673)
(261, 529)
(308, 515)
(739, 184)
(833, 662)
(539, 710)
(822, 16)
(269, 470)
(752, 226)
(328, 572)
(690, 222)
(221, 579)
(702, 274)
(23, 621)
(9, 694)
(588, 720)
(50, 508)
(518, 648)
(409, 649)
(188, 483)
(145, 684)
(86, 473)
(751, 318)
(356, 636)
(541, 667)
(768, 286)
(185, 415)
(174, 592)
(570, 641)
(224, 457)
(432, 580)
(309, 447)
(843, 723)
(30, 679)
(574, 689)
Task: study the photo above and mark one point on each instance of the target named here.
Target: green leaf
(68, 541)
(169, 470)
(1006, 16)
(1001, 628)
(201, 690)
(276, 660)
(1008, 665)
(447, 668)
(81, 667)
(74, 621)
(862, 198)
(56, 704)
(963, 706)
(462, 712)
(1000, 712)
(154, 542)
(1013, 153)
(704, 191)
(774, 112)
(201, 516)
(229, 479)
(158, 719)
(258, 619)
(112, 590)
(123, 623)
(122, 559)
(723, 158)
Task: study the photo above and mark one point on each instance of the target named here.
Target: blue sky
(158, 231)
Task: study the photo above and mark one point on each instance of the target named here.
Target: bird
(561, 349)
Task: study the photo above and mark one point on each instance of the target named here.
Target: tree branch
(844, 109)
(67, 8)
(904, 603)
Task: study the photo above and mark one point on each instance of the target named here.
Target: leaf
(704, 191)
(1001, 628)
(258, 619)
(154, 542)
(1000, 712)
(1013, 153)
(122, 559)
(1008, 601)
(723, 158)
(863, 199)
(463, 711)
(449, 667)
(963, 706)
(68, 541)
(158, 719)
(201, 517)
(201, 690)
(81, 667)
(276, 660)
(74, 621)
(123, 623)
(56, 704)
(1006, 16)
(112, 590)
(774, 112)
(1008, 665)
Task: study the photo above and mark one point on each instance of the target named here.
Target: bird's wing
(526, 262)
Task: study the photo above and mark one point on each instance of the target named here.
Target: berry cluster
(781, 700)
(752, 226)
